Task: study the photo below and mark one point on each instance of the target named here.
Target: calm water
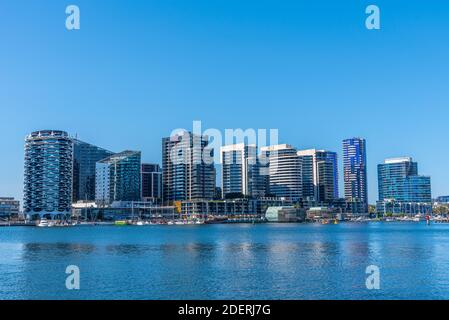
(227, 261)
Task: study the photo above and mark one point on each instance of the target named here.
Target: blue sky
(138, 69)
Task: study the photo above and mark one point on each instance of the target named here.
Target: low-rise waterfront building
(285, 214)
(393, 207)
(231, 207)
(124, 210)
(442, 199)
(320, 213)
(9, 208)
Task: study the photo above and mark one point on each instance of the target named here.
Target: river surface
(263, 261)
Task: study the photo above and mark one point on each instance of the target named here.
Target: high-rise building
(186, 175)
(241, 171)
(151, 180)
(398, 180)
(118, 178)
(284, 171)
(401, 189)
(319, 175)
(48, 174)
(355, 172)
(85, 157)
(9, 207)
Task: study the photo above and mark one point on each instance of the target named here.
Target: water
(266, 261)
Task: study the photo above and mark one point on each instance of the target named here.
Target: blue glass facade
(355, 172)
(85, 157)
(118, 178)
(400, 183)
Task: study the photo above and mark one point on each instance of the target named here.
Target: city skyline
(323, 171)
(311, 70)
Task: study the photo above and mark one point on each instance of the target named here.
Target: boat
(139, 223)
(120, 223)
(43, 223)
(170, 223)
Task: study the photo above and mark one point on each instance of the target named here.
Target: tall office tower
(354, 172)
(284, 171)
(241, 171)
(48, 174)
(186, 175)
(319, 175)
(85, 157)
(151, 180)
(118, 178)
(398, 180)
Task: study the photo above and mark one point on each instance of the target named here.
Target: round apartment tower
(48, 175)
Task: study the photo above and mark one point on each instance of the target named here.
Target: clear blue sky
(138, 69)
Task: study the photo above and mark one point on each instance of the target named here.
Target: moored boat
(43, 223)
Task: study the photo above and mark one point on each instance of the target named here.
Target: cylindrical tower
(48, 174)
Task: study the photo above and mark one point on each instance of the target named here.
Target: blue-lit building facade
(355, 174)
(85, 158)
(48, 175)
(401, 189)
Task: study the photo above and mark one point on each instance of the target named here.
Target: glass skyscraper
(284, 171)
(185, 173)
(319, 175)
(118, 178)
(355, 173)
(48, 174)
(241, 171)
(399, 182)
(151, 182)
(85, 157)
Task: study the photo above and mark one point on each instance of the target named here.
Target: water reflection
(227, 262)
